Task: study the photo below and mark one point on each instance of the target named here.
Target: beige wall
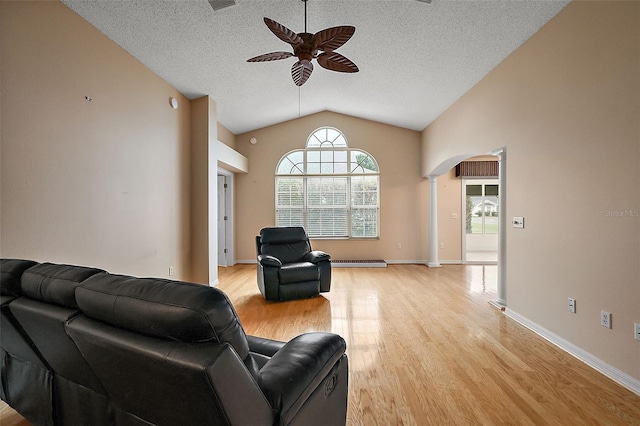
(449, 229)
(226, 137)
(403, 193)
(566, 106)
(102, 183)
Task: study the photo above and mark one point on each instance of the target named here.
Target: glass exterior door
(481, 212)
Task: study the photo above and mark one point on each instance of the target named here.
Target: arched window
(331, 190)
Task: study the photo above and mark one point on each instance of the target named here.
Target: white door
(222, 219)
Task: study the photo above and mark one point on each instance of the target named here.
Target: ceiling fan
(306, 47)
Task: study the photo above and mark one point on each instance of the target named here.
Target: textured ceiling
(415, 59)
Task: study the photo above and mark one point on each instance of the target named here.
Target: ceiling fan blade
(283, 33)
(332, 38)
(273, 56)
(336, 62)
(301, 71)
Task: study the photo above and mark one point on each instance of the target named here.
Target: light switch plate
(518, 222)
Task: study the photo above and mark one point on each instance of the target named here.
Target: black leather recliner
(47, 305)
(26, 378)
(288, 268)
(121, 350)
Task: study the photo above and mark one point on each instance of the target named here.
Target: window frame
(324, 166)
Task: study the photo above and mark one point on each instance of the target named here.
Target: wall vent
(221, 4)
(358, 264)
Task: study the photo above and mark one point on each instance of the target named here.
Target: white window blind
(290, 201)
(364, 206)
(327, 206)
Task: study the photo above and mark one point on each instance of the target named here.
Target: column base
(498, 304)
(433, 264)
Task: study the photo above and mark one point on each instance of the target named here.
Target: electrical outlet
(636, 330)
(571, 305)
(170, 271)
(605, 319)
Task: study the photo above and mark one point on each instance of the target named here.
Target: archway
(444, 167)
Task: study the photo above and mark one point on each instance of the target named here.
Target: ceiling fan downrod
(305, 15)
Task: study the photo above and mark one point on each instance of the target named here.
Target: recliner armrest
(266, 260)
(293, 373)
(262, 346)
(262, 349)
(316, 256)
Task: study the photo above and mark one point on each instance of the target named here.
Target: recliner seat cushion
(299, 272)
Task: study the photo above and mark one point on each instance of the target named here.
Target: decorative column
(501, 301)
(433, 223)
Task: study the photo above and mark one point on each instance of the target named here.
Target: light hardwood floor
(426, 348)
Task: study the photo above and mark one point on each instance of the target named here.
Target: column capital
(500, 153)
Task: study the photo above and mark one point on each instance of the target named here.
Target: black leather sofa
(287, 267)
(80, 346)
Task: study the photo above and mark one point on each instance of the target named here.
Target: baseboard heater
(358, 263)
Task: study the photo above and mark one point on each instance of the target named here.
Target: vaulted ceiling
(415, 58)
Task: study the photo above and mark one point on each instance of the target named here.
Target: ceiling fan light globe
(301, 71)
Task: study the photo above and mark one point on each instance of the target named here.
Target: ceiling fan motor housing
(306, 50)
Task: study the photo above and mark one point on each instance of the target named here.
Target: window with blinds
(331, 190)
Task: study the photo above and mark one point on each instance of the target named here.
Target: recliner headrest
(52, 283)
(11, 271)
(162, 308)
(283, 235)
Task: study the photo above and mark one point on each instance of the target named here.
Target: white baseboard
(450, 262)
(610, 371)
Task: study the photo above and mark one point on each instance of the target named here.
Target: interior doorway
(481, 210)
(225, 218)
